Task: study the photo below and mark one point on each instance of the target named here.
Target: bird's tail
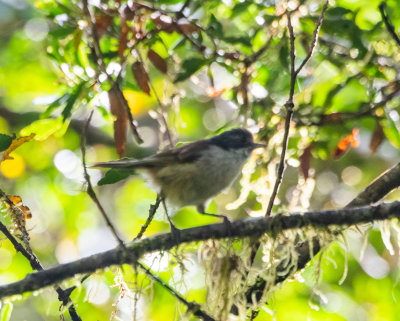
(129, 163)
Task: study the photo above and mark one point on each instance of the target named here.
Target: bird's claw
(176, 233)
(228, 224)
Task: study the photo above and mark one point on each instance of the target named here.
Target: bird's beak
(258, 145)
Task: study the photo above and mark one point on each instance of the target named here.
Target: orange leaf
(17, 201)
(141, 77)
(213, 93)
(121, 121)
(157, 61)
(352, 139)
(305, 160)
(376, 138)
(14, 145)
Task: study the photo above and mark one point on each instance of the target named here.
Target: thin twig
(315, 39)
(289, 113)
(152, 212)
(387, 22)
(254, 56)
(180, 12)
(289, 104)
(90, 191)
(192, 306)
(63, 295)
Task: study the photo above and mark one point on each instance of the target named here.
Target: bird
(194, 173)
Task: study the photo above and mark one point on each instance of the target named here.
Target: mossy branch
(239, 229)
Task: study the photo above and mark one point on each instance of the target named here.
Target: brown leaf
(121, 121)
(14, 145)
(123, 39)
(128, 11)
(186, 28)
(165, 23)
(305, 160)
(102, 23)
(141, 76)
(157, 61)
(376, 138)
(331, 118)
(17, 201)
(352, 139)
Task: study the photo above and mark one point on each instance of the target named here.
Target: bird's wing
(186, 153)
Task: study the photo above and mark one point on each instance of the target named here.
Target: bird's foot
(228, 224)
(176, 233)
(227, 221)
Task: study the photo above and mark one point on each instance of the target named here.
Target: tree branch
(250, 227)
(388, 25)
(380, 187)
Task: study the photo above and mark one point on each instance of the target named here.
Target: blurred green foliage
(50, 79)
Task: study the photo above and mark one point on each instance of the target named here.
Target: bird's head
(236, 139)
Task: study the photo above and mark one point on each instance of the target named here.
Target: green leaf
(6, 310)
(215, 27)
(43, 128)
(178, 43)
(61, 32)
(337, 12)
(391, 131)
(190, 66)
(240, 8)
(238, 39)
(115, 175)
(349, 97)
(71, 100)
(53, 106)
(5, 142)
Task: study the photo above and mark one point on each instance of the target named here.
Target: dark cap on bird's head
(235, 139)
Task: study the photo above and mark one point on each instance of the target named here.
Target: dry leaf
(121, 121)
(141, 77)
(14, 145)
(165, 23)
(352, 139)
(17, 201)
(157, 61)
(305, 160)
(123, 39)
(186, 28)
(376, 138)
(102, 23)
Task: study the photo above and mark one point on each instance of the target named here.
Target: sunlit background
(358, 277)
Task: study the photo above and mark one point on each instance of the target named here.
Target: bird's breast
(193, 183)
